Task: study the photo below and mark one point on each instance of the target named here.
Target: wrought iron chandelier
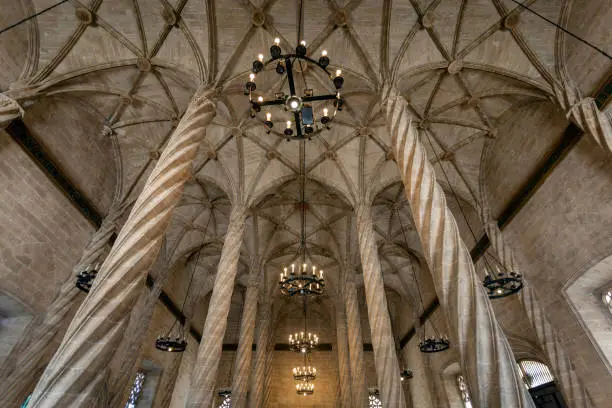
(434, 344)
(300, 342)
(501, 284)
(299, 108)
(406, 375)
(304, 388)
(85, 278)
(304, 373)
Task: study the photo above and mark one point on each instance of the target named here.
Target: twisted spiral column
(9, 110)
(344, 370)
(202, 389)
(264, 333)
(78, 365)
(35, 346)
(359, 385)
(242, 364)
(485, 353)
(383, 343)
(585, 114)
(571, 386)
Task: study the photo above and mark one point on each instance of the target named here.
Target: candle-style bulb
(289, 127)
(260, 57)
(338, 72)
(277, 41)
(303, 43)
(269, 118)
(260, 99)
(324, 53)
(252, 76)
(325, 111)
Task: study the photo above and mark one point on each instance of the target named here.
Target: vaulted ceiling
(105, 82)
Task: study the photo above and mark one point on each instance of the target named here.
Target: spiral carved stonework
(78, 366)
(488, 362)
(28, 355)
(258, 377)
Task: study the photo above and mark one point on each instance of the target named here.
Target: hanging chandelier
(406, 375)
(304, 373)
(304, 282)
(304, 388)
(85, 278)
(501, 284)
(301, 343)
(434, 344)
(299, 108)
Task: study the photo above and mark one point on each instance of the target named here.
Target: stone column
(344, 370)
(77, 369)
(36, 345)
(484, 351)
(585, 114)
(571, 387)
(383, 343)
(203, 381)
(242, 364)
(359, 385)
(9, 111)
(264, 333)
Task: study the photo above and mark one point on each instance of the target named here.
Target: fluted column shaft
(29, 355)
(264, 333)
(344, 370)
(383, 343)
(485, 353)
(585, 114)
(78, 367)
(203, 381)
(355, 343)
(571, 386)
(242, 364)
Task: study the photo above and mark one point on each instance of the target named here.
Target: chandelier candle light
(305, 388)
(299, 106)
(86, 277)
(301, 343)
(303, 282)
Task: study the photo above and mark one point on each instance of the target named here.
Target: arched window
(607, 298)
(535, 373)
(465, 393)
(374, 401)
(136, 390)
(226, 399)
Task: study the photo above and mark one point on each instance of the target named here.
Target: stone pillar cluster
(486, 359)
(344, 369)
(359, 385)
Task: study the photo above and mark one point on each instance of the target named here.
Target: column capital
(9, 110)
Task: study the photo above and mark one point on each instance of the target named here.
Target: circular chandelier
(406, 375)
(434, 344)
(301, 343)
(304, 388)
(501, 285)
(171, 344)
(86, 277)
(301, 105)
(304, 282)
(304, 373)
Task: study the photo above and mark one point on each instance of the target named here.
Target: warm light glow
(260, 99)
(252, 76)
(338, 72)
(269, 118)
(294, 104)
(324, 53)
(277, 41)
(303, 43)
(292, 265)
(289, 127)
(325, 111)
(260, 57)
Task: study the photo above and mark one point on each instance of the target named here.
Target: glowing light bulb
(260, 57)
(338, 72)
(321, 275)
(325, 111)
(277, 41)
(303, 43)
(292, 265)
(289, 127)
(260, 99)
(294, 104)
(324, 53)
(269, 118)
(252, 76)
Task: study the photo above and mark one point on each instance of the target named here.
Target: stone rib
(488, 363)
(355, 343)
(242, 365)
(383, 343)
(95, 330)
(30, 354)
(203, 381)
